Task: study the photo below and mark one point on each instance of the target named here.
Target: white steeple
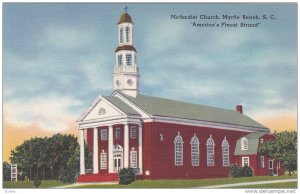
(126, 71)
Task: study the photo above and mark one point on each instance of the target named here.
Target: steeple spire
(126, 71)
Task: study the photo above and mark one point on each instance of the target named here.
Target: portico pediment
(100, 109)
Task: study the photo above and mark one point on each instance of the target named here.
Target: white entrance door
(118, 158)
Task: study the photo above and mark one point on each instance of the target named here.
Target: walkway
(246, 183)
(81, 184)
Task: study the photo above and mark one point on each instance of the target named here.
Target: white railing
(126, 69)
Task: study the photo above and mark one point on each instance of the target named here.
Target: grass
(289, 185)
(188, 183)
(168, 183)
(29, 184)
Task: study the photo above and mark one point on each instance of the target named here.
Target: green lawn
(271, 186)
(29, 184)
(168, 183)
(188, 183)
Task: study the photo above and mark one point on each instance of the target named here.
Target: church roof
(253, 141)
(171, 108)
(125, 47)
(125, 17)
(121, 105)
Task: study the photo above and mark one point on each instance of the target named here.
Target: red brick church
(163, 138)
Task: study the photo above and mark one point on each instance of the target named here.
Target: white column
(95, 150)
(82, 164)
(110, 150)
(126, 145)
(141, 149)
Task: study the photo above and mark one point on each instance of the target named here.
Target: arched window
(127, 34)
(225, 152)
(121, 35)
(210, 151)
(244, 143)
(195, 151)
(178, 148)
(101, 111)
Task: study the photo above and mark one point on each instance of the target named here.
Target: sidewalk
(81, 184)
(246, 183)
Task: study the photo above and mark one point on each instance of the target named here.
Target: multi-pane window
(128, 59)
(225, 152)
(133, 132)
(195, 151)
(103, 134)
(178, 148)
(210, 152)
(270, 164)
(127, 34)
(244, 143)
(117, 133)
(262, 161)
(103, 159)
(121, 35)
(245, 161)
(133, 159)
(120, 60)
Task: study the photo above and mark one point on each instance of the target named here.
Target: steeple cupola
(126, 71)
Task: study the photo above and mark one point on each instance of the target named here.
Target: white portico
(113, 131)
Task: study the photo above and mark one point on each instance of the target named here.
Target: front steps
(85, 178)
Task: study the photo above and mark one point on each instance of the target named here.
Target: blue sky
(57, 58)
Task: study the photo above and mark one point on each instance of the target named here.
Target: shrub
(236, 171)
(246, 171)
(126, 176)
(37, 182)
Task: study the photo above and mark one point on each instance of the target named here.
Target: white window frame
(127, 32)
(133, 159)
(118, 133)
(103, 134)
(195, 154)
(103, 160)
(133, 133)
(120, 60)
(178, 150)
(244, 144)
(278, 164)
(272, 164)
(262, 161)
(243, 161)
(225, 152)
(129, 59)
(210, 155)
(121, 35)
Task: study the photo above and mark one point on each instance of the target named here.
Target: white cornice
(94, 104)
(215, 125)
(124, 120)
(84, 114)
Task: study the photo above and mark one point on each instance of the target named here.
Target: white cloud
(164, 35)
(49, 112)
(70, 37)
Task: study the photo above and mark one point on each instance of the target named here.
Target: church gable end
(101, 109)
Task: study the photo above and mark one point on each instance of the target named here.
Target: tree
(44, 157)
(282, 148)
(71, 172)
(6, 171)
